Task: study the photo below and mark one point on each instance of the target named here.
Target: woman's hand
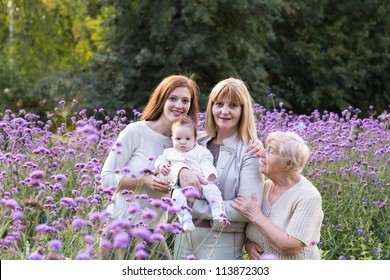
(248, 207)
(154, 183)
(254, 250)
(255, 148)
(189, 178)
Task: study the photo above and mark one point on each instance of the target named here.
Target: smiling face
(227, 115)
(178, 103)
(183, 138)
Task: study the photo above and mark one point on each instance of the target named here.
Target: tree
(152, 39)
(329, 55)
(42, 44)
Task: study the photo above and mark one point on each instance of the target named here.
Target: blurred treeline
(311, 54)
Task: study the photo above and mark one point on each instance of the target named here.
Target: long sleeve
(162, 159)
(119, 156)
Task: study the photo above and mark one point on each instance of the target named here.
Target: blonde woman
(230, 129)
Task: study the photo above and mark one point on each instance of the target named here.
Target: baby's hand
(212, 178)
(165, 169)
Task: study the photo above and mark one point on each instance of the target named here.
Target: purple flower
(95, 216)
(166, 227)
(118, 225)
(156, 236)
(126, 169)
(133, 208)
(268, 257)
(59, 177)
(142, 233)
(126, 192)
(313, 243)
(190, 191)
(87, 129)
(17, 215)
(146, 170)
(8, 240)
(121, 240)
(83, 256)
(156, 202)
(55, 244)
(148, 214)
(175, 210)
(191, 257)
(15, 234)
(383, 205)
(89, 239)
(141, 246)
(43, 228)
(11, 203)
(141, 255)
(68, 201)
(78, 223)
(93, 138)
(342, 258)
(38, 174)
(167, 200)
(35, 256)
(105, 244)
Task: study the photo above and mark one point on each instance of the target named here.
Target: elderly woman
(288, 222)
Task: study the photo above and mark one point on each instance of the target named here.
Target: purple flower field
(53, 206)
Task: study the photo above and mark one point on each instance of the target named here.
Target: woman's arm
(117, 159)
(278, 238)
(250, 181)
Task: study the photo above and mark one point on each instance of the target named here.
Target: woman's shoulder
(132, 131)
(136, 126)
(306, 186)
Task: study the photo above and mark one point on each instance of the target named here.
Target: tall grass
(53, 206)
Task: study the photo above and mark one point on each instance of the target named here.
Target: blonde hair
(185, 121)
(237, 91)
(160, 94)
(291, 148)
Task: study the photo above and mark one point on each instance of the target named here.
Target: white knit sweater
(299, 212)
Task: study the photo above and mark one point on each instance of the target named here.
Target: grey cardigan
(237, 173)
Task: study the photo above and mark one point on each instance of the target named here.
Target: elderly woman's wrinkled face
(271, 163)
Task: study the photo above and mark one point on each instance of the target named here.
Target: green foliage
(323, 54)
(331, 54)
(212, 39)
(43, 44)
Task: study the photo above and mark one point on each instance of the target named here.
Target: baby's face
(183, 138)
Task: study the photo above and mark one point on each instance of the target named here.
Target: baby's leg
(184, 215)
(213, 195)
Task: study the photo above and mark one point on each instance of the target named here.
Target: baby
(187, 153)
